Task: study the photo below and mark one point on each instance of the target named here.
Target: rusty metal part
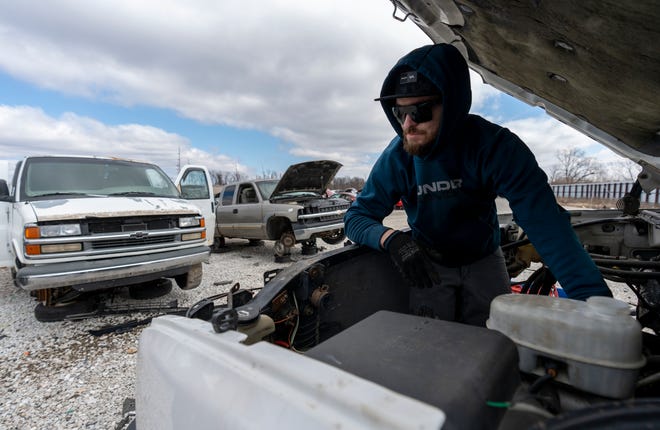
(319, 295)
(316, 272)
(288, 239)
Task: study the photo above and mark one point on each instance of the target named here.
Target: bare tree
(224, 177)
(345, 182)
(218, 177)
(574, 167)
(269, 174)
(235, 176)
(624, 170)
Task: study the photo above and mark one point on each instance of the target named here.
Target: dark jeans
(465, 292)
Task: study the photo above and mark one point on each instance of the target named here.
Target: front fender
(276, 225)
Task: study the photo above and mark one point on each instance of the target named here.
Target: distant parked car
(346, 195)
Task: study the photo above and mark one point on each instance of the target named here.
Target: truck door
(224, 219)
(5, 225)
(196, 186)
(246, 214)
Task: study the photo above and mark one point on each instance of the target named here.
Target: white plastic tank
(596, 344)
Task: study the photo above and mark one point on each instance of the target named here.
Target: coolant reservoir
(596, 344)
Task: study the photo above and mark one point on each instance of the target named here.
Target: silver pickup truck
(290, 210)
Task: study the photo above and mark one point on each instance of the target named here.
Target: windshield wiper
(68, 193)
(135, 193)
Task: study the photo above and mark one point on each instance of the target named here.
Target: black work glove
(411, 260)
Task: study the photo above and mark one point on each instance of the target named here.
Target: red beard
(417, 149)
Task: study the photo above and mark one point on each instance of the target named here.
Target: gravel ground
(58, 376)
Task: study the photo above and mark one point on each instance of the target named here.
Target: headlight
(52, 231)
(191, 221)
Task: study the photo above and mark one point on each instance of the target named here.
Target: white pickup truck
(71, 225)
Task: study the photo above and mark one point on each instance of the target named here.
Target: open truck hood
(310, 176)
(592, 64)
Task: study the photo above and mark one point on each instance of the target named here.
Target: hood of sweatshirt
(445, 67)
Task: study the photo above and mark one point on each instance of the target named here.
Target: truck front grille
(132, 242)
(321, 211)
(103, 236)
(118, 225)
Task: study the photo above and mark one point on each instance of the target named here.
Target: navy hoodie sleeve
(363, 221)
(518, 178)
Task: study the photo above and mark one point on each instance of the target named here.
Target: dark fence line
(602, 190)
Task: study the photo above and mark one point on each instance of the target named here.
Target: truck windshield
(83, 177)
(266, 188)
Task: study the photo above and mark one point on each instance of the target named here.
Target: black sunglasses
(420, 112)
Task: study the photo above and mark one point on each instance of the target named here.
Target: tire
(336, 237)
(150, 290)
(13, 278)
(60, 312)
(190, 280)
(218, 243)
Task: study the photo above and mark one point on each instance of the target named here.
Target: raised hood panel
(313, 176)
(107, 207)
(593, 65)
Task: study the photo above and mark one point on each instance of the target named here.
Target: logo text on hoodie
(443, 187)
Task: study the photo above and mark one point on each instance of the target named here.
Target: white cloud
(29, 131)
(546, 136)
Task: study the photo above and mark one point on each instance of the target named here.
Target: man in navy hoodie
(448, 166)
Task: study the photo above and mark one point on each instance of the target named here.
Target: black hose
(515, 244)
(628, 274)
(640, 298)
(629, 263)
(538, 384)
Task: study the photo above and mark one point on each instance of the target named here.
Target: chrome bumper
(113, 272)
(307, 232)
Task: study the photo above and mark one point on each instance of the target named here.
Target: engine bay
(349, 308)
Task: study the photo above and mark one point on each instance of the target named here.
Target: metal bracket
(398, 6)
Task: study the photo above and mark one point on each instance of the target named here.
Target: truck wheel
(190, 280)
(13, 278)
(218, 243)
(335, 238)
(61, 311)
(150, 289)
